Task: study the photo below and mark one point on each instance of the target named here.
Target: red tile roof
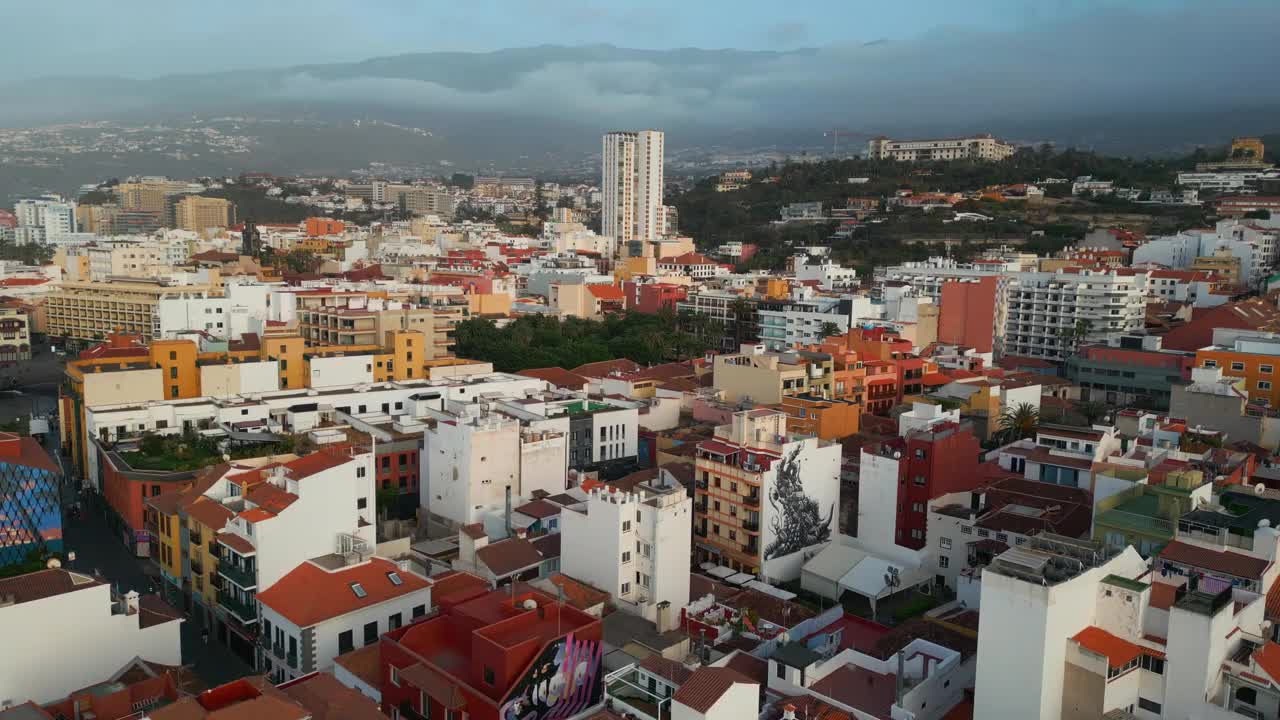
(557, 376)
(1118, 651)
(861, 689)
(705, 687)
(539, 509)
(235, 542)
(42, 584)
(316, 462)
(1267, 658)
(673, 671)
(1163, 595)
(578, 593)
(606, 292)
(606, 367)
(1231, 563)
(309, 594)
(328, 699)
(365, 663)
(509, 556)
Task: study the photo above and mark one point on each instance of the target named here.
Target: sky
(148, 38)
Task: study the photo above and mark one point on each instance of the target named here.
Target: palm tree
(1092, 410)
(1019, 422)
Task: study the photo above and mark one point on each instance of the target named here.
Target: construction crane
(836, 133)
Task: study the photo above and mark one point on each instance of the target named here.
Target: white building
(632, 184)
(42, 218)
(785, 324)
(715, 693)
(202, 314)
(635, 546)
(1049, 314)
(317, 504)
(475, 454)
(328, 606)
(64, 631)
(977, 147)
(829, 274)
(1068, 633)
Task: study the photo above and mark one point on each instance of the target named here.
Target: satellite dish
(53, 563)
(897, 454)
(226, 457)
(1259, 489)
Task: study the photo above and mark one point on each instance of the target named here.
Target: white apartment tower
(634, 545)
(631, 183)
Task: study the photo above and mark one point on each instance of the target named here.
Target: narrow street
(97, 550)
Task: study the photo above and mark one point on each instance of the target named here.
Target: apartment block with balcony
(89, 311)
(636, 546)
(977, 147)
(765, 377)
(1250, 356)
(324, 606)
(1050, 314)
(763, 496)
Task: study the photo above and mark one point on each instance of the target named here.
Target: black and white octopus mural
(797, 519)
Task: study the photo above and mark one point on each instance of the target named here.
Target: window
(395, 676)
(917, 507)
(359, 590)
(360, 471)
(393, 622)
(626, 589)
(1264, 384)
(782, 670)
(173, 355)
(1211, 363)
(489, 677)
(371, 632)
(917, 534)
(1145, 704)
(1247, 695)
(173, 391)
(395, 578)
(419, 611)
(966, 529)
(919, 453)
(1153, 664)
(1265, 369)
(345, 643)
(626, 557)
(173, 373)
(919, 480)
(944, 543)
(944, 561)
(362, 503)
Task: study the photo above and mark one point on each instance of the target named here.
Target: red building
(318, 226)
(880, 386)
(934, 461)
(492, 655)
(653, 297)
(967, 313)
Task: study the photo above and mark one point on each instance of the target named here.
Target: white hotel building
(977, 147)
(1045, 307)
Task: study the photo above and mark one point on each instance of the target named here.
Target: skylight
(395, 578)
(358, 589)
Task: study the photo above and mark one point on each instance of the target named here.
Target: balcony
(246, 579)
(752, 499)
(751, 525)
(196, 538)
(197, 568)
(244, 612)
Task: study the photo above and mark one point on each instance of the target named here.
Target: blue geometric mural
(30, 512)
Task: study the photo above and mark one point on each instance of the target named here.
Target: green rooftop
(578, 407)
(1139, 514)
(1125, 583)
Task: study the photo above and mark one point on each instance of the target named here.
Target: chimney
(507, 513)
(897, 681)
(131, 602)
(789, 712)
